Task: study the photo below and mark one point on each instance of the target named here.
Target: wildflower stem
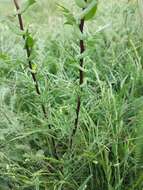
(81, 80)
(37, 88)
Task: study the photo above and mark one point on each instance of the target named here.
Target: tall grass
(107, 151)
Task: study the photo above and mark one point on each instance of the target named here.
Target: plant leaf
(27, 4)
(30, 41)
(68, 15)
(90, 11)
(84, 185)
(91, 14)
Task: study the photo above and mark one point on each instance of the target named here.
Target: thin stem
(81, 80)
(28, 51)
(37, 88)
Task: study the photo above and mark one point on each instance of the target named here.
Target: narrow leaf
(68, 15)
(84, 185)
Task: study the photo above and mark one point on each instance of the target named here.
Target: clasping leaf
(89, 12)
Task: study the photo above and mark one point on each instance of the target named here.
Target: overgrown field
(104, 151)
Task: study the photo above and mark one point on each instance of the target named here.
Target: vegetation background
(108, 147)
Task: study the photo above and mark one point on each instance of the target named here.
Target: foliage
(107, 148)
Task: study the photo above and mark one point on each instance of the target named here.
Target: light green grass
(107, 151)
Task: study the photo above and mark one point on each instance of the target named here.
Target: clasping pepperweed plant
(29, 42)
(88, 11)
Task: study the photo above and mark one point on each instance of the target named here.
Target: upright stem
(81, 80)
(28, 51)
(37, 88)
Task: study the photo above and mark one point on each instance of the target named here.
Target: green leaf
(68, 15)
(30, 41)
(84, 185)
(27, 4)
(81, 3)
(37, 183)
(90, 11)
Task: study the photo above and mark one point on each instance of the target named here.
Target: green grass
(107, 149)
